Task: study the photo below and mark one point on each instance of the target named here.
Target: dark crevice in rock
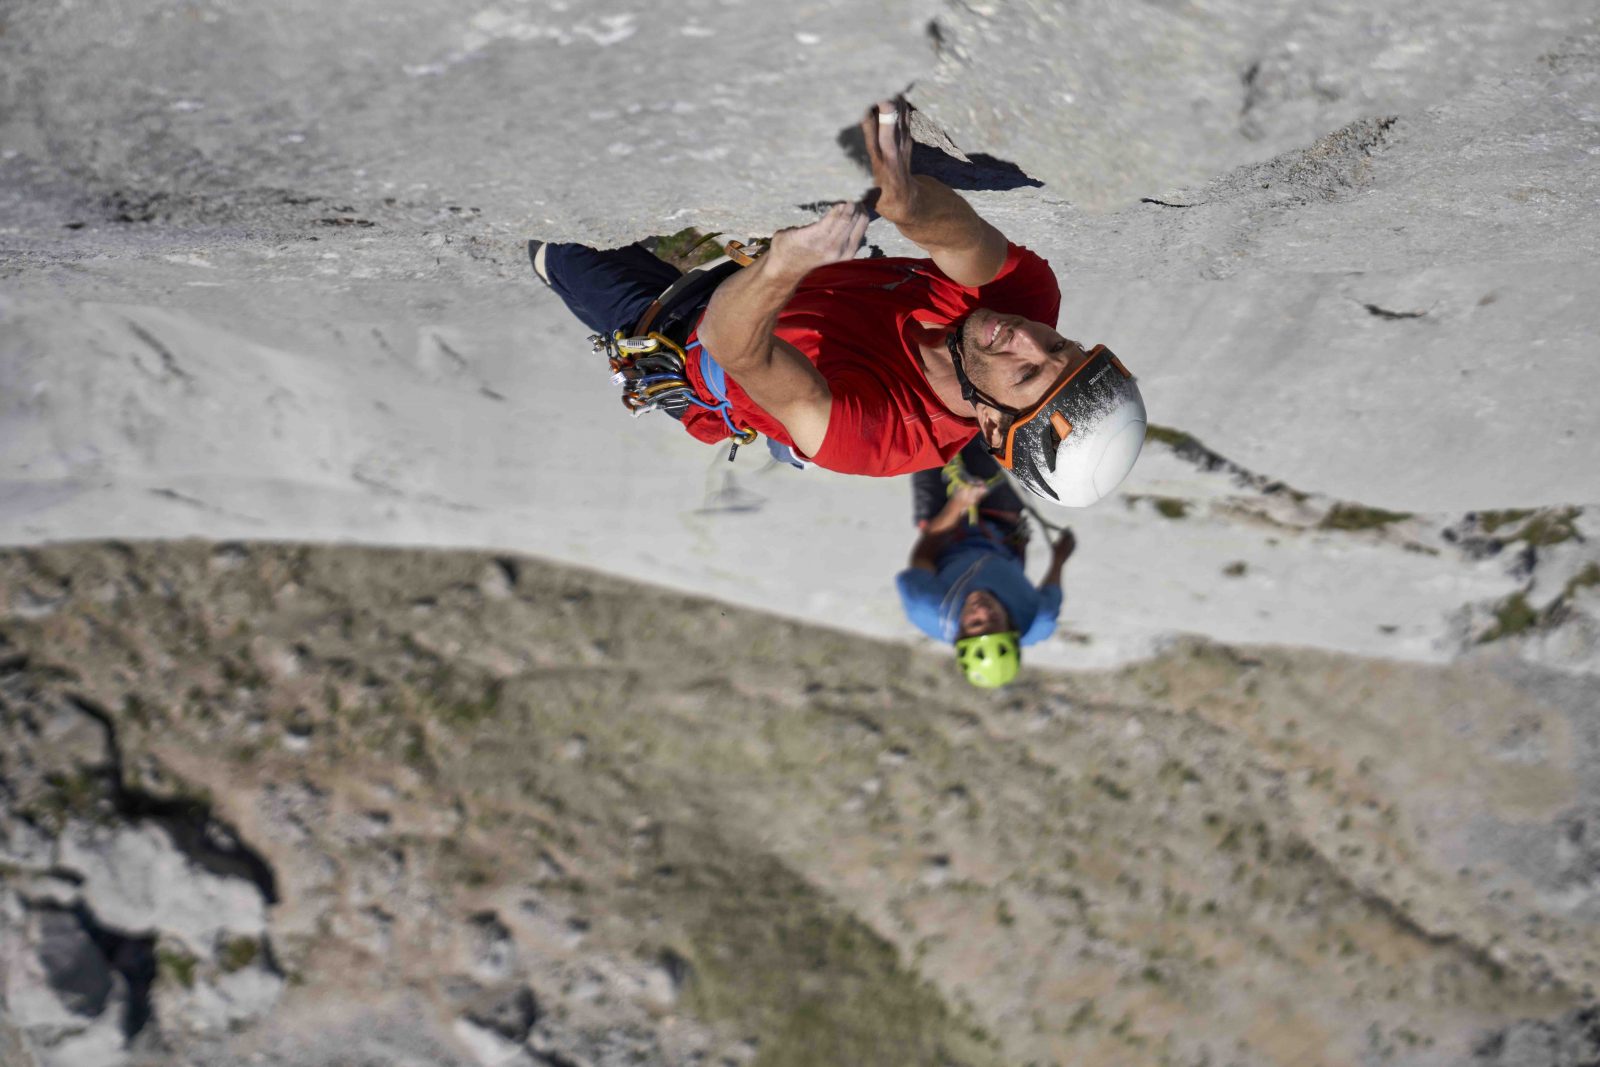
(1188, 447)
(209, 843)
(678, 969)
(510, 568)
(173, 494)
(512, 1014)
(1252, 94)
(1406, 923)
(1163, 203)
(1385, 313)
(1249, 127)
(818, 206)
(1570, 1040)
(127, 206)
(264, 956)
(170, 368)
(80, 956)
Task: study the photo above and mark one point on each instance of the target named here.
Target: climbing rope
(957, 477)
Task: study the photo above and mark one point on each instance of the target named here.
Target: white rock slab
(137, 881)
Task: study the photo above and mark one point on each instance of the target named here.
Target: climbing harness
(701, 280)
(652, 368)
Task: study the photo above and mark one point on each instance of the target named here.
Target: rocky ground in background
(295, 805)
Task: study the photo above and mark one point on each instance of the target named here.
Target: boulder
(510, 1013)
(62, 992)
(135, 878)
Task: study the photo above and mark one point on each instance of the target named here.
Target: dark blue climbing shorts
(608, 289)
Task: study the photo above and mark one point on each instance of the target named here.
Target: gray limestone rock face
(488, 1048)
(14, 1047)
(135, 878)
(1573, 1040)
(75, 993)
(1351, 249)
(23, 845)
(262, 276)
(511, 1013)
(54, 746)
(79, 958)
(74, 737)
(492, 951)
(73, 964)
(495, 1024)
(218, 1000)
(125, 916)
(1110, 102)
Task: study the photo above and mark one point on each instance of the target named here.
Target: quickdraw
(651, 371)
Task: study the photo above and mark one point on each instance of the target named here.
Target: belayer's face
(1013, 359)
(982, 613)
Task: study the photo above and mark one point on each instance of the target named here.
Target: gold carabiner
(744, 254)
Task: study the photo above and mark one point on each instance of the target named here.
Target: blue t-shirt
(932, 601)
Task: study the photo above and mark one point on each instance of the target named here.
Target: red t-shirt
(858, 322)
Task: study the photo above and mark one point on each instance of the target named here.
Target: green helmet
(989, 660)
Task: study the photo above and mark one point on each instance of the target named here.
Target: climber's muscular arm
(930, 214)
(738, 325)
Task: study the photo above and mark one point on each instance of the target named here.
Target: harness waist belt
(675, 312)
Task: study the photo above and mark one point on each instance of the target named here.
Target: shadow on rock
(978, 171)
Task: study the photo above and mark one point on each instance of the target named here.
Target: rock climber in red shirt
(878, 366)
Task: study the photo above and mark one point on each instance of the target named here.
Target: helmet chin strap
(969, 392)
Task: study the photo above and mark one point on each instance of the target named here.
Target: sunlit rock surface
(262, 281)
(263, 278)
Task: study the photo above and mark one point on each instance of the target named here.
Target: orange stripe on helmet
(1005, 456)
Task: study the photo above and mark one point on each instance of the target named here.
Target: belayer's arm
(1060, 552)
(943, 527)
(929, 213)
(925, 553)
(738, 325)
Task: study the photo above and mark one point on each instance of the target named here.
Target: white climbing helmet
(1080, 440)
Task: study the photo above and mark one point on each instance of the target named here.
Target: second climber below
(965, 583)
(889, 365)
